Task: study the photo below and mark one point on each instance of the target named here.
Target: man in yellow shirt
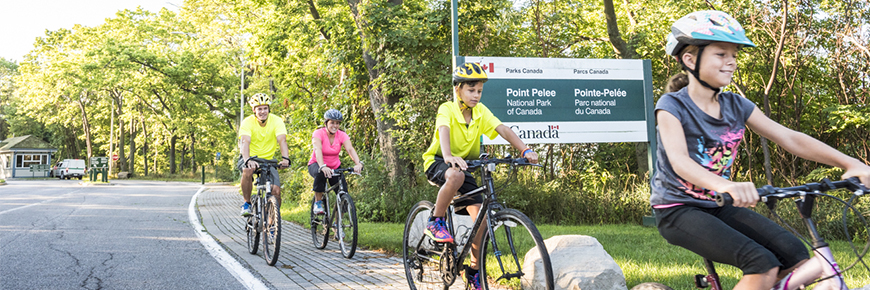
(458, 128)
(261, 134)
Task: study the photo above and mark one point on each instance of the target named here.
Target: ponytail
(677, 82)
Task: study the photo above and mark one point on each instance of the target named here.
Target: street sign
(556, 100)
(114, 157)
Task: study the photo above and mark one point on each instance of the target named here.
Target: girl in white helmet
(699, 130)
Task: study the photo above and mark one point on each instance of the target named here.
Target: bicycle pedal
(701, 281)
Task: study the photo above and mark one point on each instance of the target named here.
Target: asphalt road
(58, 234)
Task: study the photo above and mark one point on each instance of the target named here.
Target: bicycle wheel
(252, 227)
(501, 259)
(346, 228)
(419, 253)
(271, 230)
(320, 224)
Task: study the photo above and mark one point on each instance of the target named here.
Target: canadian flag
(490, 67)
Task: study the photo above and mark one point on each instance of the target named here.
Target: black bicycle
(431, 265)
(340, 218)
(265, 215)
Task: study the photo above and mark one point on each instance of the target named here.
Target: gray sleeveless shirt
(711, 142)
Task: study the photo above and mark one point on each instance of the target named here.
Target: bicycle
(821, 269)
(431, 265)
(343, 223)
(265, 215)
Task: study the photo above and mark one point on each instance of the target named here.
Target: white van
(69, 168)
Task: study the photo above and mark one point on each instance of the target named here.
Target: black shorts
(731, 235)
(319, 178)
(273, 173)
(435, 173)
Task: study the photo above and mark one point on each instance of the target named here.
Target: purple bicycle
(821, 270)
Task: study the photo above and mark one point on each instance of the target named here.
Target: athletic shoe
(318, 207)
(246, 209)
(473, 282)
(437, 231)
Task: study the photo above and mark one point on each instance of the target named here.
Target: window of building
(25, 160)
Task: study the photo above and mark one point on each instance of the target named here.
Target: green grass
(641, 252)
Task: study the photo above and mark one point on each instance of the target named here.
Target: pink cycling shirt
(330, 151)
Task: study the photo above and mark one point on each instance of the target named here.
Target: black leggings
(731, 235)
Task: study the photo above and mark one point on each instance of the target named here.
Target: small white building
(17, 154)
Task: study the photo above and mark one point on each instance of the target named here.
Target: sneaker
(473, 282)
(246, 209)
(318, 207)
(437, 231)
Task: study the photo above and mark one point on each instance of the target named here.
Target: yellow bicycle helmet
(468, 72)
(259, 99)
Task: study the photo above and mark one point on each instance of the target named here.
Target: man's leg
(247, 183)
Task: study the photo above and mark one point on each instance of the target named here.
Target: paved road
(57, 234)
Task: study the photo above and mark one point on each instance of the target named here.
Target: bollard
(203, 174)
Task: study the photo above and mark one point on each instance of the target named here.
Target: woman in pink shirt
(327, 142)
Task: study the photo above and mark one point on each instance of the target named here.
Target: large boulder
(123, 175)
(579, 263)
(866, 287)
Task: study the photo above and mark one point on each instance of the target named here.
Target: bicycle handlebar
(342, 170)
(270, 162)
(852, 184)
(474, 164)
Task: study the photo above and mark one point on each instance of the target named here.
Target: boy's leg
(473, 210)
(454, 178)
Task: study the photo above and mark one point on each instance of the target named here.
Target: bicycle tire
(346, 230)
(252, 228)
(271, 230)
(320, 224)
(513, 244)
(422, 267)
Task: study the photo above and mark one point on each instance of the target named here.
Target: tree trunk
(626, 52)
(380, 103)
(768, 172)
(85, 125)
(193, 153)
(172, 141)
(132, 159)
(145, 141)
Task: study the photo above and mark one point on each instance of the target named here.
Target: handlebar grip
(723, 199)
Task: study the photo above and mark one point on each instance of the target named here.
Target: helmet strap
(696, 72)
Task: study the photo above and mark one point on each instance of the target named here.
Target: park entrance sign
(553, 100)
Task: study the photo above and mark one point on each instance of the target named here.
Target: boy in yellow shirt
(458, 128)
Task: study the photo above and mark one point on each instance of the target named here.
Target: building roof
(24, 142)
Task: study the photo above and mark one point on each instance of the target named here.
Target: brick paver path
(300, 265)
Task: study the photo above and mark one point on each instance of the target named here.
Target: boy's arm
(444, 138)
(518, 143)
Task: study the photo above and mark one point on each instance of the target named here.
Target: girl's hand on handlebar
(454, 162)
(357, 168)
(743, 193)
(861, 171)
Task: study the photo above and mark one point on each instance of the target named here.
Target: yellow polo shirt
(264, 140)
(464, 138)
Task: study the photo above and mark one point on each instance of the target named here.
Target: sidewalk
(300, 265)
